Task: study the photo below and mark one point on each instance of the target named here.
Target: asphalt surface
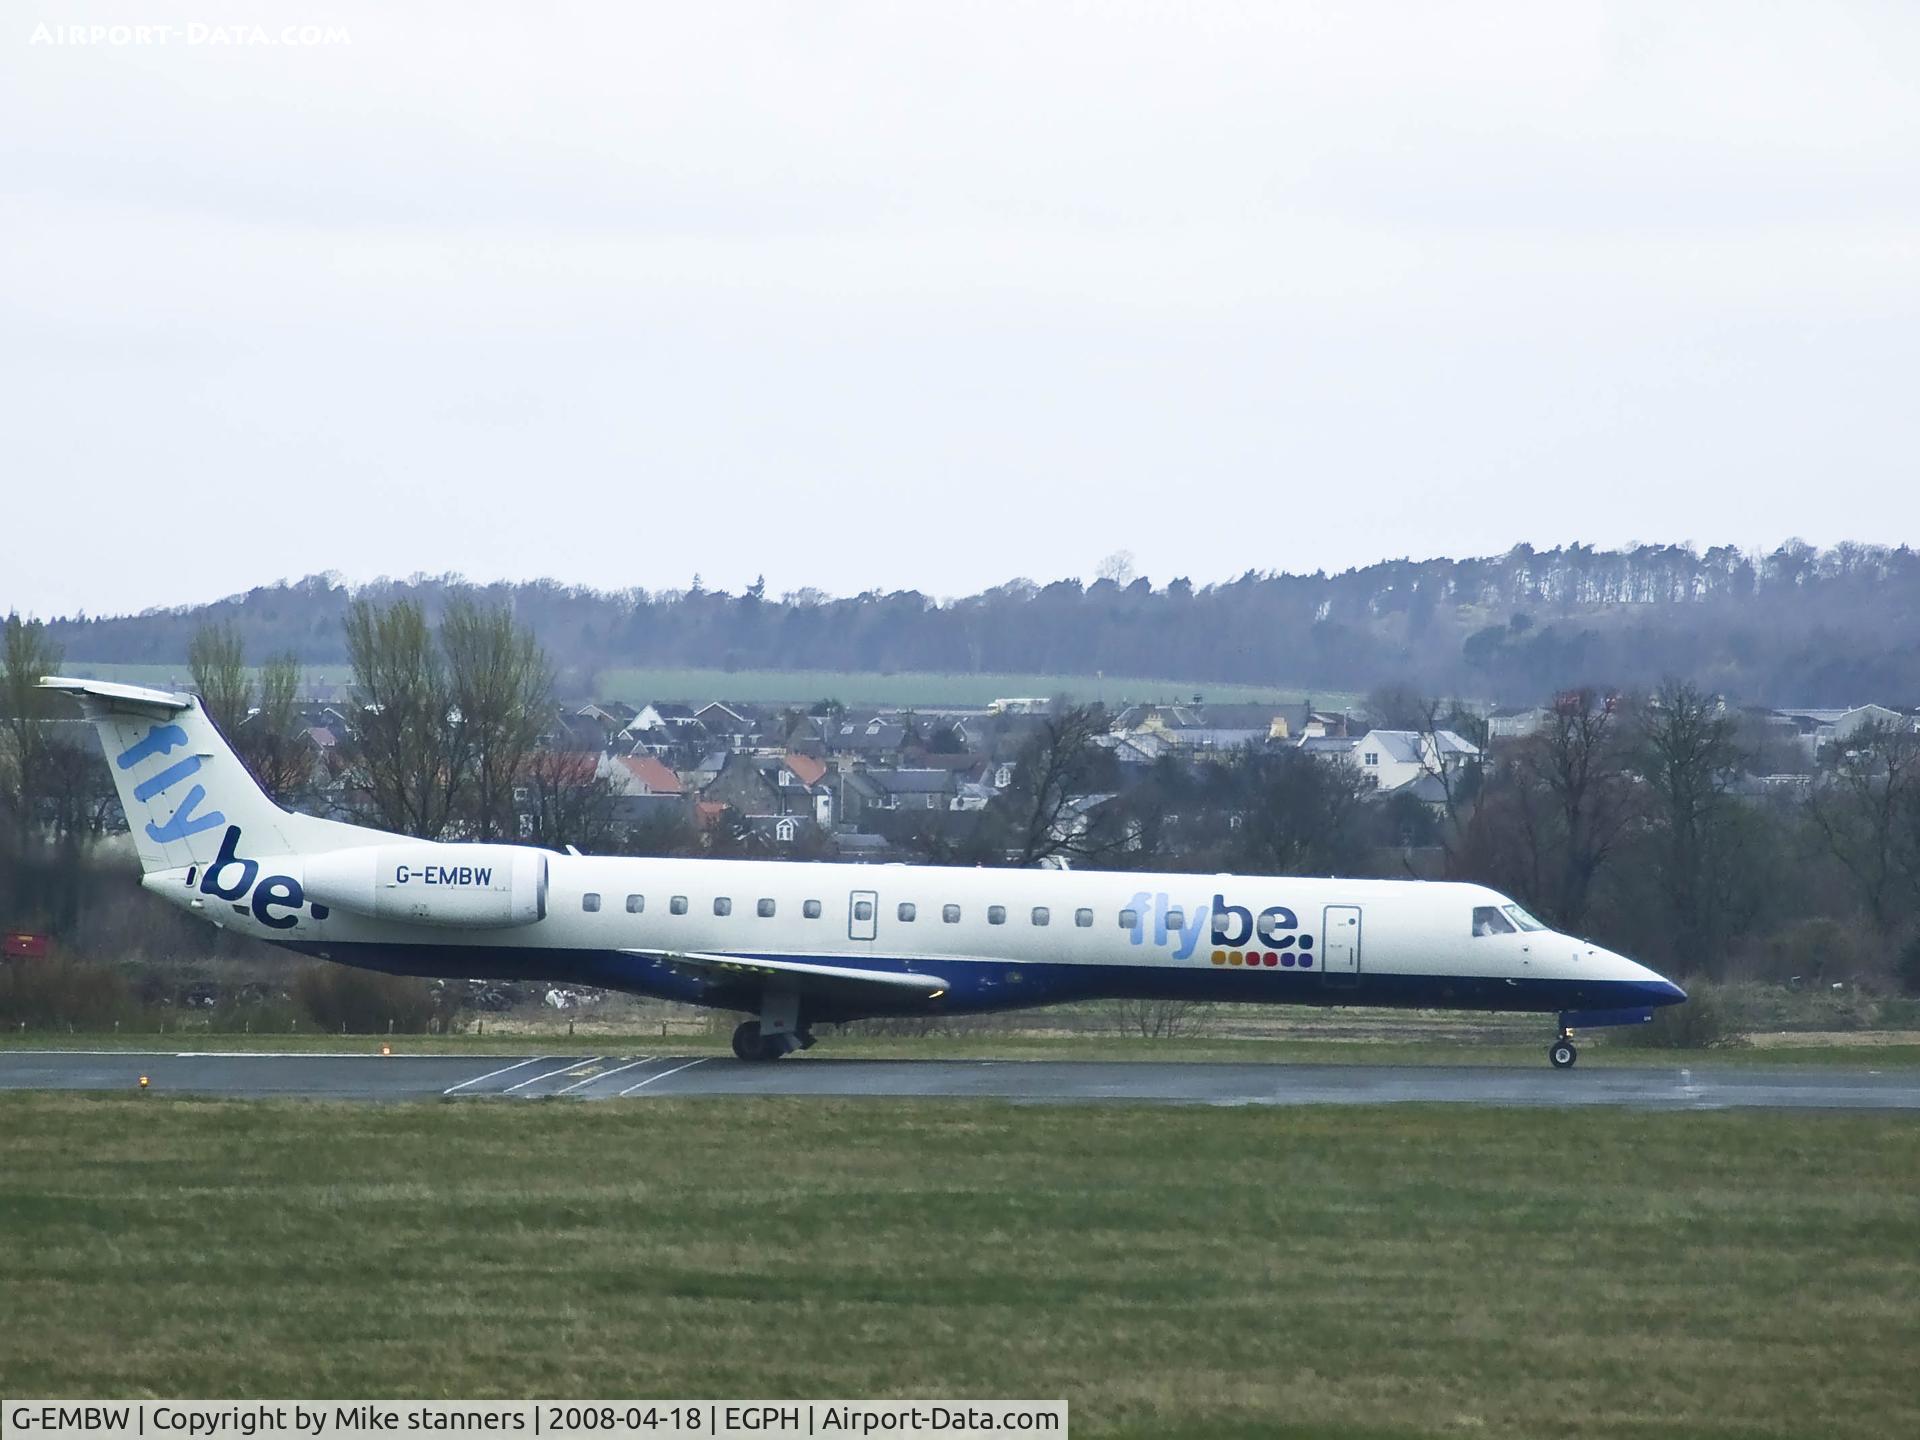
(362, 1076)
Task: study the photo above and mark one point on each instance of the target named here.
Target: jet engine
(474, 887)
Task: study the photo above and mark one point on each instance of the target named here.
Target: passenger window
(863, 910)
(1041, 915)
(950, 914)
(811, 909)
(996, 914)
(722, 905)
(590, 901)
(1176, 919)
(1129, 919)
(1083, 918)
(1487, 920)
(907, 910)
(765, 908)
(635, 904)
(678, 905)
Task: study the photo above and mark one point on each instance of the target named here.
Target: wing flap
(805, 975)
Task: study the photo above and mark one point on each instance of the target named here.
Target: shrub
(58, 992)
(366, 1002)
(1906, 969)
(1704, 1022)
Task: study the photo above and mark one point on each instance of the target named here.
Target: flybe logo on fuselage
(1160, 921)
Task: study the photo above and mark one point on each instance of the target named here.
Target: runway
(579, 1076)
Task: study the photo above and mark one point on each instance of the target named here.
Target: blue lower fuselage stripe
(976, 986)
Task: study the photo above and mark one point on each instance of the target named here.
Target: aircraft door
(1340, 945)
(863, 912)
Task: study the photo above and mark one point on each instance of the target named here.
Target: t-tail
(182, 786)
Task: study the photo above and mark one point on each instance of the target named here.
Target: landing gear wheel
(1562, 1054)
(747, 1044)
(750, 1044)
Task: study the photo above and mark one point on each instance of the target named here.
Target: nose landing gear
(1561, 1053)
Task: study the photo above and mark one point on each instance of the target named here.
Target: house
(735, 728)
(919, 789)
(873, 738)
(1511, 723)
(641, 774)
(764, 785)
(1392, 758)
(1816, 729)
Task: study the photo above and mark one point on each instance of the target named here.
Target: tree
(1298, 815)
(1577, 761)
(1037, 814)
(1687, 754)
(217, 658)
(501, 687)
(1866, 807)
(568, 801)
(26, 655)
(407, 751)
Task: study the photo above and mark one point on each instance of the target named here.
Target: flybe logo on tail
(163, 740)
(1234, 927)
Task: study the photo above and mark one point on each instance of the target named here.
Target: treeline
(1794, 626)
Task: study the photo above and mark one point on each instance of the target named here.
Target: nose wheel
(1562, 1053)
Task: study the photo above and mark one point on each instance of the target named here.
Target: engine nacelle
(472, 887)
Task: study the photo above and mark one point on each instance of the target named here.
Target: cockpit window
(1522, 918)
(1487, 920)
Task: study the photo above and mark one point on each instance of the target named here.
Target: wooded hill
(1796, 626)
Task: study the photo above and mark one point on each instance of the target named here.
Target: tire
(747, 1044)
(1562, 1054)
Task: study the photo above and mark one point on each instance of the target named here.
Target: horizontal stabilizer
(804, 976)
(128, 699)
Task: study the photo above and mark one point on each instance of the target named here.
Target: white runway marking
(606, 1074)
(491, 1073)
(661, 1076)
(573, 1064)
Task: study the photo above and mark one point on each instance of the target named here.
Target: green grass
(766, 687)
(1345, 1272)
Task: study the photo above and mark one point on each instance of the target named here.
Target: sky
(932, 296)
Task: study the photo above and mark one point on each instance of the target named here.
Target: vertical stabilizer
(180, 783)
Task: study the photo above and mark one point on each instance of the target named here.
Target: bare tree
(501, 686)
(26, 654)
(1060, 767)
(1687, 755)
(217, 659)
(568, 801)
(1578, 761)
(408, 752)
(1867, 809)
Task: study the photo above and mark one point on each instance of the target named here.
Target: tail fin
(181, 784)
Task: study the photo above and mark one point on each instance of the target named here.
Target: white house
(1392, 758)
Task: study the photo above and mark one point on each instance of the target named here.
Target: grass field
(1365, 1272)
(763, 687)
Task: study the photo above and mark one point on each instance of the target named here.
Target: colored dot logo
(1268, 958)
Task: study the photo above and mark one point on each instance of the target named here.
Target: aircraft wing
(804, 976)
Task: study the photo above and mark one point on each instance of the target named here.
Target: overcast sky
(936, 295)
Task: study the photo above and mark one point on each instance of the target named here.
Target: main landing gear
(750, 1043)
(1562, 1053)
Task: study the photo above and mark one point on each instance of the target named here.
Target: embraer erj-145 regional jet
(799, 945)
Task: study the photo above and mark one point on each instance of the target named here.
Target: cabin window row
(907, 911)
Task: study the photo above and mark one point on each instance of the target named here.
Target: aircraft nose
(1662, 991)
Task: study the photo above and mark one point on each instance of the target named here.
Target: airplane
(795, 946)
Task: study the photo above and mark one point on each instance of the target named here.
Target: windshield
(1522, 919)
(1487, 920)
